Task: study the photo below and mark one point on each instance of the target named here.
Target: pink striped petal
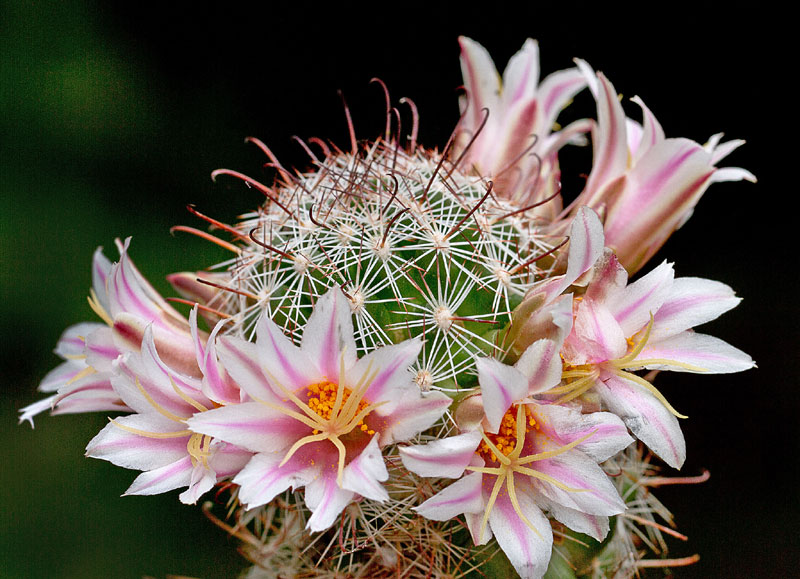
(217, 384)
(326, 500)
(541, 364)
(526, 549)
(241, 360)
(202, 480)
(393, 380)
(291, 367)
(365, 473)
(609, 141)
(711, 354)
(463, 496)
(261, 480)
(652, 133)
(72, 342)
(250, 425)
(555, 92)
(101, 350)
(633, 305)
(413, 414)
(328, 335)
(167, 478)
(658, 193)
(646, 417)
(596, 336)
(574, 469)
(130, 450)
(501, 386)
(446, 457)
(596, 526)
(60, 375)
(101, 269)
(565, 425)
(481, 82)
(31, 410)
(692, 301)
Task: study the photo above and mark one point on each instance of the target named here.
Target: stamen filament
(186, 398)
(302, 442)
(666, 362)
(88, 371)
(512, 494)
(547, 478)
(148, 434)
(492, 498)
(342, 452)
(551, 453)
(160, 409)
(94, 303)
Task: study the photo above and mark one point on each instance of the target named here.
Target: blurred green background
(113, 116)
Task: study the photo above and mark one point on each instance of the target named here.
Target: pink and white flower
(645, 185)
(525, 460)
(127, 303)
(318, 417)
(619, 328)
(512, 122)
(155, 438)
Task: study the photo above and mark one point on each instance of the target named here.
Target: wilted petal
(446, 457)
(31, 410)
(646, 417)
(463, 496)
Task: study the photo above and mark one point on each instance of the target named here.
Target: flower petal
(646, 417)
(326, 500)
(711, 354)
(122, 447)
(692, 301)
(541, 365)
(446, 457)
(393, 380)
(596, 526)
(261, 480)
(633, 305)
(172, 476)
(501, 386)
(463, 496)
(565, 425)
(526, 549)
(328, 335)
(364, 473)
(413, 414)
(250, 425)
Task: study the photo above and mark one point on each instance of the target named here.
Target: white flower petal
(501, 386)
(526, 549)
(328, 335)
(326, 500)
(446, 457)
(711, 354)
(463, 496)
(365, 473)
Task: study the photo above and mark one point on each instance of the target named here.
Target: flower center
(322, 400)
(506, 438)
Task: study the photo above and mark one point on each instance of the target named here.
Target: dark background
(112, 119)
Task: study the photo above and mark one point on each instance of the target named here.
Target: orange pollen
(506, 438)
(322, 399)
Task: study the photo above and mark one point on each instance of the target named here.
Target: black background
(182, 86)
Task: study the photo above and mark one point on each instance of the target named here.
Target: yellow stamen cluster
(506, 438)
(322, 399)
